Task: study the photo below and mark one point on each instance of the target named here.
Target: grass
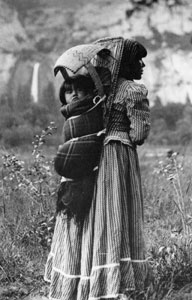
(28, 191)
(168, 207)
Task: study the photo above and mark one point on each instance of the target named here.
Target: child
(83, 134)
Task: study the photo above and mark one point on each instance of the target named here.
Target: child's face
(74, 94)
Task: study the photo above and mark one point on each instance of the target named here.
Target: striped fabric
(131, 98)
(105, 258)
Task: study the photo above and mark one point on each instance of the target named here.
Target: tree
(23, 5)
(165, 121)
(48, 98)
(23, 98)
(172, 113)
(184, 125)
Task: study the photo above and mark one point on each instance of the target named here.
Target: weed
(168, 226)
(27, 218)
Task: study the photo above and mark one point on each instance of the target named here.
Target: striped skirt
(103, 258)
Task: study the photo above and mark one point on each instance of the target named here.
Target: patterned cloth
(77, 107)
(82, 120)
(83, 139)
(77, 60)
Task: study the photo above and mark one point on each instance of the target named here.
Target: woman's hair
(86, 83)
(132, 51)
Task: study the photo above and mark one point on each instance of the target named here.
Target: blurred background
(34, 33)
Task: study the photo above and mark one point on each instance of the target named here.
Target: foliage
(172, 269)
(167, 191)
(21, 5)
(28, 192)
(171, 123)
(22, 119)
(23, 98)
(49, 97)
(151, 2)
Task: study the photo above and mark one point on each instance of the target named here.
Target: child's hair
(84, 82)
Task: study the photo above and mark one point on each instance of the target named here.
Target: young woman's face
(136, 69)
(74, 94)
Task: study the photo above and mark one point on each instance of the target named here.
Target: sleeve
(138, 113)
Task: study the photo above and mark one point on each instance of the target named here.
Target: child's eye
(79, 89)
(68, 91)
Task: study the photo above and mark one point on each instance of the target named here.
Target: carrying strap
(63, 72)
(96, 79)
(115, 45)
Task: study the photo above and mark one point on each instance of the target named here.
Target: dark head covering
(132, 51)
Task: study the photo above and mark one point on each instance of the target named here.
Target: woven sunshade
(78, 59)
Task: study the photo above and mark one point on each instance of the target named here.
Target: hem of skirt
(94, 268)
(87, 277)
(107, 296)
(136, 284)
(112, 296)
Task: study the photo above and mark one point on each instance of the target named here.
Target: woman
(119, 253)
(105, 258)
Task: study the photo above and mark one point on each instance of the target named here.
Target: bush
(28, 195)
(170, 123)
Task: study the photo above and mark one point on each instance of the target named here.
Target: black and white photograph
(95, 150)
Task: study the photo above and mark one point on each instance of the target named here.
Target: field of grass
(27, 205)
(167, 186)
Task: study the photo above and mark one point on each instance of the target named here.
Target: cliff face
(46, 29)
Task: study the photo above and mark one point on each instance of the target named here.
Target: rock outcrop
(43, 32)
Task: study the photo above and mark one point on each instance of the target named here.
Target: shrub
(28, 194)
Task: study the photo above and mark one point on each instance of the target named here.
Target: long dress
(105, 257)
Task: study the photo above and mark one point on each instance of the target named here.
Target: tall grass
(28, 192)
(168, 215)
